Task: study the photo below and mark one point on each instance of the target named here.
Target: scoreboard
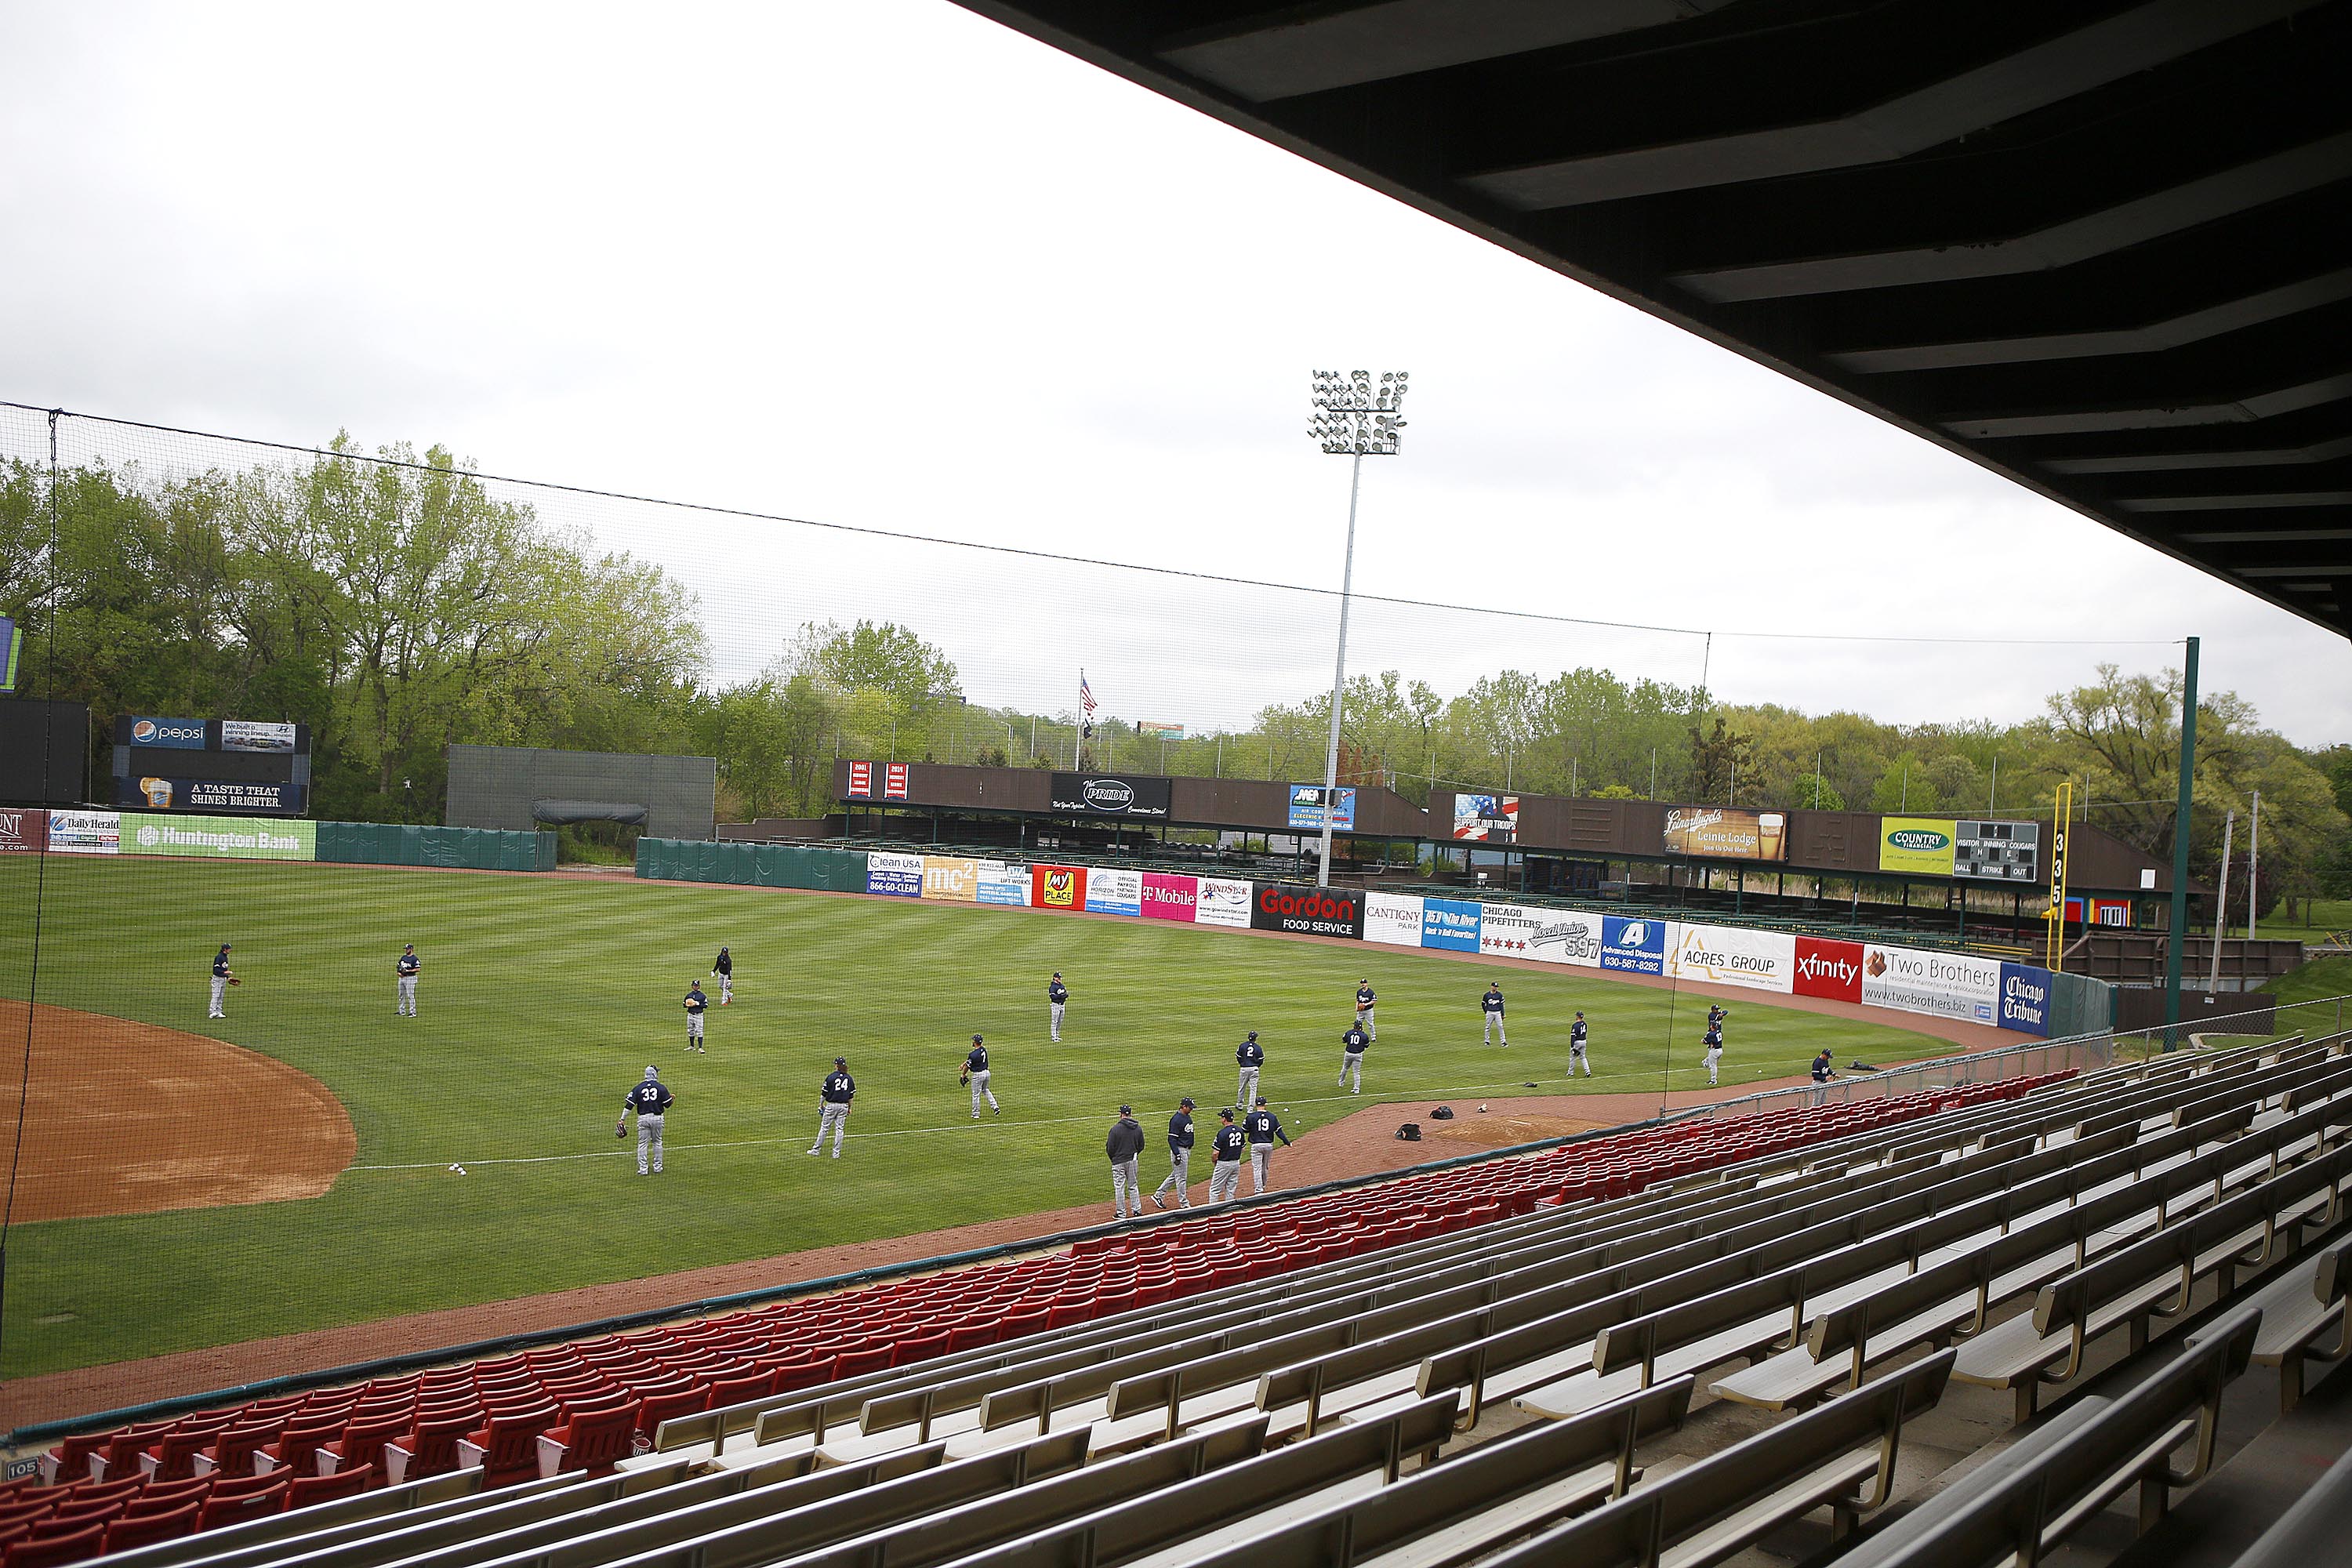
(1996, 851)
(238, 767)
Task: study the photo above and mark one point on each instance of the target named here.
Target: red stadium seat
(297, 1448)
(69, 1460)
(119, 1458)
(140, 1530)
(505, 1447)
(858, 1363)
(922, 1347)
(660, 1407)
(303, 1490)
(430, 1447)
(55, 1551)
(592, 1441)
(361, 1448)
(742, 1384)
(241, 1498)
(167, 1496)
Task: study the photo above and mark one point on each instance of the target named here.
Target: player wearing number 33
(651, 1101)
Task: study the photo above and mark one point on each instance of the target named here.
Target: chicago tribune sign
(1314, 912)
(1111, 794)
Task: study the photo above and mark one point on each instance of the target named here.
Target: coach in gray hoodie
(1124, 1146)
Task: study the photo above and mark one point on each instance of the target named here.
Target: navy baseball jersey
(1057, 992)
(1228, 1145)
(1363, 995)
(220, 962)
(1713, 1041)
(1251, 1054)
(650, 1098)
(1821, 1070)
(1492, 1002)
(408, 964)
(1355, 1040)
(1576, 1032)
(1716, 1016)
(1263, 1127)
(976, 1059)
(1180, 1131)
(838, 1088)
(724, 963)
(695, 1001)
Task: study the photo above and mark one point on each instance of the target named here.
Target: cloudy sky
(891, 267)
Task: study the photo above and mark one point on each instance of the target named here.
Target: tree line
(398, 607)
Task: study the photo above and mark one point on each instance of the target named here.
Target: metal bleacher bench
(2298, 1309)
(2032, 1496)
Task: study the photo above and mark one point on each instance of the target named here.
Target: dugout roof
(2098, 249)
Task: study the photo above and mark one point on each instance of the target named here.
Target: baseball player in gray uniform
(695, 1003)
(651, 1101)
(1577, 1040)
(1057, 996)
(839, 1090)
(1491, 1006)
(975, 1073)
(404, 1006)
(1225, 1171)
(722, 969)
(1364, 1000)
(1124, 1146)
(1262, 1127)
(1180, 1158)
(1252, 1057)
(1352, 1055)
(222, 976)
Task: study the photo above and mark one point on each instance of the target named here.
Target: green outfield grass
(543, 999)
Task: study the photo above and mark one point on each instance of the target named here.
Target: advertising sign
(1727, 956)
(1167, 898)
(181, 734)
(1726, 835)
(1637, 947)
(1156, 729)
(1941, 984)
(892, 876)
(1393, 919)
(2025, 999)
(951, 879)
(1113, 890)
(1919, 844)
(85, 832)
(253, 735)
(158, 791)
(1508, 932)
(861, 780)
(1306, 808)
(1486, 819)
(894, 780)
(1450, 924)
(1314, 912)
(24, 832)
(1111, 794)
(1566, 936)
(1223, 901)
(218, 838)
(1829, 967)
(1996, 851)
(1058, 887)
(1001, 883)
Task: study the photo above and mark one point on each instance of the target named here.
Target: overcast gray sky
(890, 265)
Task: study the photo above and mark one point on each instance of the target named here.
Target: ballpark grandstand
(1757, 1137)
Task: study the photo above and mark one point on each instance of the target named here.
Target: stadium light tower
(1353, 418)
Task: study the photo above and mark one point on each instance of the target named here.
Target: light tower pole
(1354, 419)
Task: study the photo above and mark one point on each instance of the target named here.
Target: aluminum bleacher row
(1326, 1381)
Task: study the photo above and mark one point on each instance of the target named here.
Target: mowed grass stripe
(543, 999)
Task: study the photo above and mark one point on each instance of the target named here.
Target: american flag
(1085, 707)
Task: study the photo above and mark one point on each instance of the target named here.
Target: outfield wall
(189, 837)
(2022, 998)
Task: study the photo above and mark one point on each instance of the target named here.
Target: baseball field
(542, 1001)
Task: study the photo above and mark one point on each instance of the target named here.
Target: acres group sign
(1111, 794)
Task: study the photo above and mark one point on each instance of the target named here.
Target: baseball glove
(621, 1129)
(963, 1079)
(233, 980)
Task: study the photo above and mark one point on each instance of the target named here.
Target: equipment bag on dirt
(1410, 1132)
(1443, 1113)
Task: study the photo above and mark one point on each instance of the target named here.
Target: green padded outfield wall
(752, 865)
(466, 848)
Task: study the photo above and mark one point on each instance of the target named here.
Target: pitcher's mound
(124, 1118)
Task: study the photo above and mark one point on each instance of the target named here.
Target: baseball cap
(1253, 1034)
(1261, 1100)
(652, 1071)
(1227, 1112)
(975, 1040)
(841, 1061)
(1186, 1103)
(1127, 1110)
